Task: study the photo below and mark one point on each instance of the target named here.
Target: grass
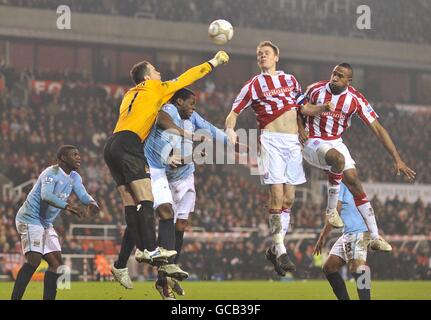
(228, 290)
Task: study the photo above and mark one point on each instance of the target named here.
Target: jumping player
(325, 148)
(273, 96)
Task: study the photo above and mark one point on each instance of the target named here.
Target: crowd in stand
(395, 20)
(32, 126)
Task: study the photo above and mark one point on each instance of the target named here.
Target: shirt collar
(64, 173)
(329, 90)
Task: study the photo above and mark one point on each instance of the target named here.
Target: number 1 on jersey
(131, 102)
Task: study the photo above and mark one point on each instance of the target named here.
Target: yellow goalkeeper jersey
(140, 105)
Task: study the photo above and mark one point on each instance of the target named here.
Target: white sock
(333, 193)
(275, 225)
(334, 180)
(285, 221)
(367, 213)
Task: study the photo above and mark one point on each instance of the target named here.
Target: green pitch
(227, 290)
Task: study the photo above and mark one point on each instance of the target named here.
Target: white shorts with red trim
(315, 148)
(280, 159)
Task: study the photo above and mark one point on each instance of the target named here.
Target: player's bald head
(347, 67)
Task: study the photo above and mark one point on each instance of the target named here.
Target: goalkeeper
(125, 157)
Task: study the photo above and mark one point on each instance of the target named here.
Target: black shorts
(124, 155)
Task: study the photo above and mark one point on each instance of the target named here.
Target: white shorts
(351, 246)
(280, 159)
(36, 238)
(184, 196)
(160, 187)
(313, 145)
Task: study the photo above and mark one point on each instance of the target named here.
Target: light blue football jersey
(49, 196)
(195, 122)
(160, 143)
(353, 221)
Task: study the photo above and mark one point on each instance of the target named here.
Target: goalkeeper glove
(221, 57)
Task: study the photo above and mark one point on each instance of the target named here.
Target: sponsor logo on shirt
(335, 115)
(275, 92)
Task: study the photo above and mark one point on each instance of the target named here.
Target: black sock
(127, 245)
(147, 225)
(22, 280)
(50, 285)
(166, 238)
(133, 225)
(338, 286)
(364, 293)
(179, 236)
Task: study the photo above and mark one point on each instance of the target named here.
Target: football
(220, 31)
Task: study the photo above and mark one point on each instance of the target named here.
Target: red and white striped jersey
(269, 96)
(331, 125)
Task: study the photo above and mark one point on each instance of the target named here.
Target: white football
(220, 31)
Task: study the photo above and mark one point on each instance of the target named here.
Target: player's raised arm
(192, 75)
(202, 124)
(385, 139)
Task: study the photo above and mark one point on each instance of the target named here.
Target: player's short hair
(269, 44)
(63, 150)
(183, 93)
(346, 66)
(139, 71)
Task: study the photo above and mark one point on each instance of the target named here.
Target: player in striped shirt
(273, 96)
(325, 148)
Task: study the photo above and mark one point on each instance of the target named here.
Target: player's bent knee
(165, 211)
(126, 196)
(355, 264)
(34, 259)
(181, 225)
(340, 161)
(322, 154)
(288, 202)
(330, 266)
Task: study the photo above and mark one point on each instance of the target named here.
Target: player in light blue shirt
(350, 248)
(172, 178)
(35, 219)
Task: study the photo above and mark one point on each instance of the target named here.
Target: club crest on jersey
(48, 179)
(345, 108)
(289, 82)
